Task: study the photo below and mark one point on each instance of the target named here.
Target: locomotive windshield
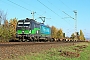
(20, 24)
(25, 24)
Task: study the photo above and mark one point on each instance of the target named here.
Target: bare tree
(2, 16)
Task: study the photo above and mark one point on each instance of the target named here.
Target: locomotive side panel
(45, 30)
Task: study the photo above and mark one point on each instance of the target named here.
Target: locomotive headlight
(30, 31)
(37, 32)
(22, 32)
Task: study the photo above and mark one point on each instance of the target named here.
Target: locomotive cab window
(27, 24)
(20, 24)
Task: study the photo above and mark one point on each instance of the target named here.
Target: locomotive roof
(25, 20)
(29, 20)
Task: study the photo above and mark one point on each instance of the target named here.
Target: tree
(1, 32)
(13, 24)
(4, 27)
(72, 36)
(53, 32)
(2, 16)
(63, 35)
(60, 33)
(5, 33)
(81, 35)
(8, 30)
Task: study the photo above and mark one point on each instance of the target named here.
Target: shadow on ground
(12, 40)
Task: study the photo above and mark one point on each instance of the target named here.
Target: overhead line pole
(75, 21)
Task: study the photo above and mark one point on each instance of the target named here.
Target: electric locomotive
(31, 30)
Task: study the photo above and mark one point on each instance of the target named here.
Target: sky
(53, 10)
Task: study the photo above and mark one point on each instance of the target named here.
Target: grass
(54, 54)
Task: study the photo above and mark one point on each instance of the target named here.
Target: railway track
(30, 43)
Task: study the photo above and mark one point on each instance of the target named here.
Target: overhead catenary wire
(53, 5)
(35, 7)
(65, 13)
(71, 17)
(30, 10)
(68, 15)
(65, 4)
(52, 11)
(18, 5)
(29, 4)
(48, 8)
(35, 12)
(21, 6)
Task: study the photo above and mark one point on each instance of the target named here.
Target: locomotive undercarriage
(34, 38)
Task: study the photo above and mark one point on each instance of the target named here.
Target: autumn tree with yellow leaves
(60, 34)
(8, 30)
(57, 33)
(81, 37)
(12, 25)
(53, 32)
